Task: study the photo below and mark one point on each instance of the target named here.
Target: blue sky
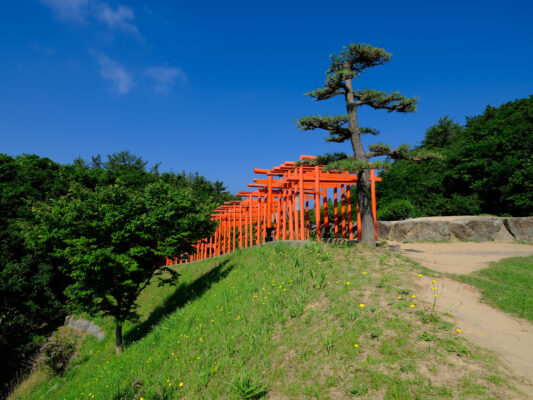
(215, 87)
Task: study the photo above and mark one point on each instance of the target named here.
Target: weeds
(246, 388)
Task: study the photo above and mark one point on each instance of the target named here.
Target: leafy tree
(441, 134)
(345, 68)
(33, 274)
(493, 158)
(486, 166)
(30, 288)
(115, 239)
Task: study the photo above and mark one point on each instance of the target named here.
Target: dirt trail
(460, 257)
(510, 337)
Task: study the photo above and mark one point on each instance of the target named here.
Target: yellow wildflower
(458, 330)
(361, 305)
(412, 306)
(356, 345)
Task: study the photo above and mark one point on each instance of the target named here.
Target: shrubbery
(398, 210)
(57, 352)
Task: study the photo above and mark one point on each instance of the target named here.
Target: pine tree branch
(385, 101)
(327, 122)
(352, 60)
(402, 152)
(324, 93)
(332, 123)
(339, 137)
(335, 125)
(323, 159)
(359, 57)
(370, 131)
(343, 162)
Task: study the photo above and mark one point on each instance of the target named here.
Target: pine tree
(345, 67)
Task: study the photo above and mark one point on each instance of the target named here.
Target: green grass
(507, 285)
(282, 322)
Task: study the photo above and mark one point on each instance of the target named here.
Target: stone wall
(84, 326)
(478, 229)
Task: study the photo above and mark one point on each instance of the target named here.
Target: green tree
(486, 166)
(493, 158)
(441, 134)
(30, 287)
(115, 239)
(345, 68)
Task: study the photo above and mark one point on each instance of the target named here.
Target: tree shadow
(182, 295)
(396, 248)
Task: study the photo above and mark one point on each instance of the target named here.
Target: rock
(384, 228)
(504, 235)
(85, 326)
(478, 229)
(520, 227)
(420, 230)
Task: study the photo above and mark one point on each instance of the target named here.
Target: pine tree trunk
(363, 178)
(118, 338)
(365, 207)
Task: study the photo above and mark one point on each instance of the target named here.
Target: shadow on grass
(182, 295)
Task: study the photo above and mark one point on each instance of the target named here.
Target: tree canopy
(114, 240)
(33, 278)
(486, 166)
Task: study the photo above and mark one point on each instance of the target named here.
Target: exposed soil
(509, 337)
(460, 257)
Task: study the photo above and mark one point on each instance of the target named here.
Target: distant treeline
(31, 283)
(486, 168)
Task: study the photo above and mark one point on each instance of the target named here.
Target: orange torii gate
(279, 210)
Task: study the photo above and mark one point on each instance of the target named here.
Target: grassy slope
(288, 323)
(507, 284)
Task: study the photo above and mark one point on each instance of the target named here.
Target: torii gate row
(279, 209)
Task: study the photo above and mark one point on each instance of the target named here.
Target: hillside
(281, 322)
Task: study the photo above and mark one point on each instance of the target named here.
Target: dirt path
(460, 257)
(511, 338)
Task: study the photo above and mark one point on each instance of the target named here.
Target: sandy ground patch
(460, 257)
(510, 337)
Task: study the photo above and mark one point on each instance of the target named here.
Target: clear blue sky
(214, 86)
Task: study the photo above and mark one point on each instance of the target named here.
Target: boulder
(384, 228)
(420, 230)
(504, 235)
(520, 227)
(477, 229)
